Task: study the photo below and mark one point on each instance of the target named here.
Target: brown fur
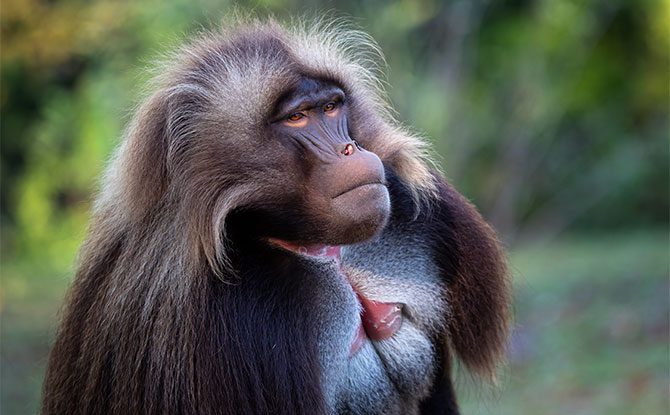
(478, 287)
(146, 317)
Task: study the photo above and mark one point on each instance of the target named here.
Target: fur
(171, 310)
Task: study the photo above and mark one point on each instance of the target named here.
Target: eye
(329, 107)
(296, 116)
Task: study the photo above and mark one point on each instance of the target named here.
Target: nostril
(348, 149)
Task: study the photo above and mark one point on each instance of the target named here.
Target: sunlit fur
(152, 306)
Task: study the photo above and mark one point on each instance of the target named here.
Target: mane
(220, 67)
(158, 237)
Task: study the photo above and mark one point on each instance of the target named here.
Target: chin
(363, 213)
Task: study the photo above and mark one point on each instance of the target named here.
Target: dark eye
(329, 107)
(296, 116)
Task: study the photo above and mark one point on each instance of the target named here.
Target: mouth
(362, 186)
(378, 320)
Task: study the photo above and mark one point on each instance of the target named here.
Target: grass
(31, 298)
(591, 330)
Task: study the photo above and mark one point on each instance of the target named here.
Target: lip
(360, 185)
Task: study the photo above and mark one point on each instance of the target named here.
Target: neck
(379, 320)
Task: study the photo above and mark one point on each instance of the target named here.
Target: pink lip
(379, 320)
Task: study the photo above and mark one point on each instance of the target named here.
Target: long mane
(148, 324)
(133, 331)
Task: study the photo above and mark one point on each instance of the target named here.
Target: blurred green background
(552, 116)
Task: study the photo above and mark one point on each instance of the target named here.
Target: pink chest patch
(379, 320)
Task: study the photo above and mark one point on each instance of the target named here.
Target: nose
(348, 149)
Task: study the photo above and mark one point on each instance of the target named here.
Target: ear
(473, 266)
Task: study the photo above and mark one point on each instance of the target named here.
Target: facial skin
(346, 197)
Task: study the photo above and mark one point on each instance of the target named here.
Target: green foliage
(551, 116)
